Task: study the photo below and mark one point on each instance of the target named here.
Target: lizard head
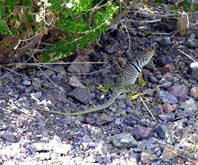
(145, 56)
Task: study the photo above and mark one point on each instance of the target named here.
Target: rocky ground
(125, 133)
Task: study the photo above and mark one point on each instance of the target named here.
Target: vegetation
(66, 24)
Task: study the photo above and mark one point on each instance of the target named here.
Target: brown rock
(194, 92)
(167, 68)
(167, 108)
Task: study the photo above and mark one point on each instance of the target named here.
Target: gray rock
(81, 94)
(36, 83)
(27, 83)
(123, 140)
(165, 84)
(162, 131)
(2, 113)
(190, 105)
(75, 82)
(192, 43)
(167, 117)
(36, 96)
(180, 91)
(164, 41)
(166, 97)
(9, 136)
(79, 68)
(147, 157)
(140, 133)
(148, 91)
(49, 73)
(104, 119)
(164, 60)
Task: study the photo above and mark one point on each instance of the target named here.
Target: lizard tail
(113, 97)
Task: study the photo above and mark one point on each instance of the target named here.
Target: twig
(53, 63)
(147, 108)
(187, 55)
(129, 46)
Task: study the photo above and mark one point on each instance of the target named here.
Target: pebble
(194, 70)
(40, 147)
(165, 41)
(164, 60)
(36, 83)
(36, 96)
(165, 84)
(27, 83)
(192, 43)
(140, 133)
(153, 79)
(190, 105)
(75, 82)
(83, 95)
(124, 140)
(167, 117)
(62, 148)
(167, 69)
(168, 154)
(162, 131)
(194, 92)
(79, 68)
(179, 91)
(147, 158)
(166, 97)
(104, 119)
(9, 136)
(167, 108)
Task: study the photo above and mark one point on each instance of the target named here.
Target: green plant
(79, 22)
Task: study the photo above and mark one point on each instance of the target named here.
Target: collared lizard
(128, 76)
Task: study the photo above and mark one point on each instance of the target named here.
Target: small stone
(36, 96)
(27, 83)
(90, 120)
(140, 133)
(162, 131)
(148, 91)
(36, 83)
(40, 147)
(147, 158)
(167, 68)
(75, 82)
(167, 117)
(168, 153)
(192, 43)
(62, 148)
(180, 91)
(167, 108)
(124, 140)
(194, 92)
(166, 97)
(104, 119)
(49, 73)
(43, 156)
(79, 68)
(81, 94)
(9, 136)
(194, 70)
(153, 79)
(190, 105)
(164, 60)
(165, 41)
(165, 85)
